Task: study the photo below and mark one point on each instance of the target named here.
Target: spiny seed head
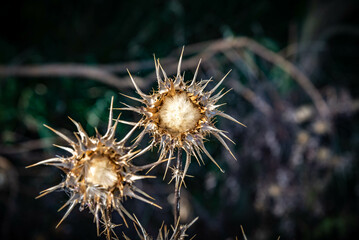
(99, 175)
(179, 115)
(179, 232)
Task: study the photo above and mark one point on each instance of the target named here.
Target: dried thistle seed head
(101, 171)
(179, 115)
(99, 175)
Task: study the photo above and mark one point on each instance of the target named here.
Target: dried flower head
(99, 174)
(179, 115)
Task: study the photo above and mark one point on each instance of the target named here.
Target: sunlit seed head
(178, 114)
(101, 171)
(99, 175)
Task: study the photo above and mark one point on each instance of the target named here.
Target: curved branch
(290, 68)
(205, 50)
(67, 70)
(208, 50)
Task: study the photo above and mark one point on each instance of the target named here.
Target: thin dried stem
(178, 188)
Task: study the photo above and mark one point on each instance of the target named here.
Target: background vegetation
(297, 173)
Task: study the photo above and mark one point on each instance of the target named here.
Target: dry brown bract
(179, 115)
(178, 232)
(99, 175)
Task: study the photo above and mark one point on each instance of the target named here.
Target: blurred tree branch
(205, 50)
(67, 70)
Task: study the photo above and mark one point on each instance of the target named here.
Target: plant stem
(177, 187)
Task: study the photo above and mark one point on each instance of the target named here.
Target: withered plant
(290, 153)
(99, 175)
(179, 116)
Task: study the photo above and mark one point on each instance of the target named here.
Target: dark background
(290, 179)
